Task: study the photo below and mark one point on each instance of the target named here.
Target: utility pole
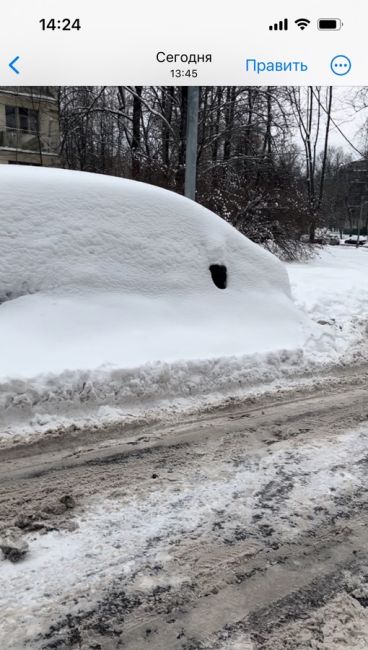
(192, 142)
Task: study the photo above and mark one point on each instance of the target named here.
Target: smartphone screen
(183, 326)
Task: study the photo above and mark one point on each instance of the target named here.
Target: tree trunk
(136, 133)
(180, 173)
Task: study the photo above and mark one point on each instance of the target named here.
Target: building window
(11, 118)
(22, 119)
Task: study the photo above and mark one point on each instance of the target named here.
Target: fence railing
(26, 141)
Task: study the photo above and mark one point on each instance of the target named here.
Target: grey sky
(349, 120)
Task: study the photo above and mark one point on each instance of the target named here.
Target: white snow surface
(101, 275)
(332, 287)
(110, 271)
(108, 311)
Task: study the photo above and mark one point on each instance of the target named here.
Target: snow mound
(73, 231)
(106, 273)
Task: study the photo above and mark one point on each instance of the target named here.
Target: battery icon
(329, 24)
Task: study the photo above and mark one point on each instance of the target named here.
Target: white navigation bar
(203, 42)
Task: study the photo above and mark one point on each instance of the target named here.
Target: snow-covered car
(320, 239)
(99, 272)
(353, 240)
(334, 240)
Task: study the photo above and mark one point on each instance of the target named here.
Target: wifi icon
(302, 22)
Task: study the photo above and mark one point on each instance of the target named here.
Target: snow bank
(332, 290)
(105, 274)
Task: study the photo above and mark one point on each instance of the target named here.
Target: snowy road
(244, 528)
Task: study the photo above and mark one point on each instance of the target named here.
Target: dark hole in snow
(219, 275)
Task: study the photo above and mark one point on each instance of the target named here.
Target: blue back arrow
(12, 65)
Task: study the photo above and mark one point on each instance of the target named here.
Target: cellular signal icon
(282, 25)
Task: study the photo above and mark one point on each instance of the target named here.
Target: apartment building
(29, 126)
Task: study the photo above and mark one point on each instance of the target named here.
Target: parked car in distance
(334, 240)
(318, 239)
(353, 240)
(322, 238)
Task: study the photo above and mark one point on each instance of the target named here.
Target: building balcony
(26, 142)
(49, 93)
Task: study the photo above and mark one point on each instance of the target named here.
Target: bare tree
(309, 111)
(250, 171)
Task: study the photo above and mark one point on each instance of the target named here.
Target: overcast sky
(349, 120)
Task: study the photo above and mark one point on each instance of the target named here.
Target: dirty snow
(68, 571)
(340, 625)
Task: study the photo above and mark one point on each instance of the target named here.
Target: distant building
(353, 184)
(29, 126)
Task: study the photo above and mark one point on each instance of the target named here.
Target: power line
(337, 126)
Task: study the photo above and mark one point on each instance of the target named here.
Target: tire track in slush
(263, 510)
